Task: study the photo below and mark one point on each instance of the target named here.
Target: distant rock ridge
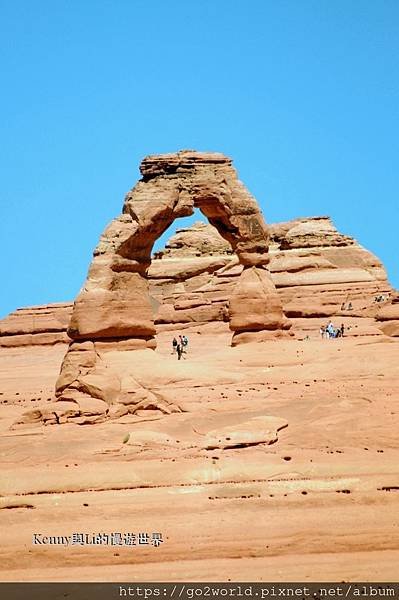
(308, 232)
(318, 272)
(192, 277)
(36, 325)
(200, 239)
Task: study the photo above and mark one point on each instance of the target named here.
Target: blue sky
(303, 95)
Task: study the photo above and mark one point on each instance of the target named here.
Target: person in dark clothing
(342, 329)
(174, 345)
(179, 350)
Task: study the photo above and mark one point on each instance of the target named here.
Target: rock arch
(113, 309)
(114, 302)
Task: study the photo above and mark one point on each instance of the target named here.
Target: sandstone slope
(281, 466)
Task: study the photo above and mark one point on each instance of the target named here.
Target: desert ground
(317, 501)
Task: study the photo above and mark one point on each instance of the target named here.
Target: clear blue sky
(302, 94)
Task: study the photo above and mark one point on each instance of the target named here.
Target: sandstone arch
(114, 301)
(113, 308)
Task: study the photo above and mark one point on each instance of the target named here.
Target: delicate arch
(114, 302)
(113, 310)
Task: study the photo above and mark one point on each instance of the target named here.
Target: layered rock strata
(192, 279)
(318, 272)
(36, 325)
(388, 316)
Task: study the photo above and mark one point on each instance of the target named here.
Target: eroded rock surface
(193, 278)
(318, 272)
(114, 302)
(388, 316)
(114, 308)
(36, 325)
(287, 510)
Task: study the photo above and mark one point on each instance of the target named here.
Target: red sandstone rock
(201, 239)
(187, 283)
(312, 281)
(115, 302)
(388, 317)
(254, 303)
(36, 325)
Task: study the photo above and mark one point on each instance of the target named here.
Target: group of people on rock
(180, 346)
(346, 306)
(330, 331)
(381, 298)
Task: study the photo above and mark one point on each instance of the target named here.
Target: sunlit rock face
(114, 310)
(114, 302)
(318, 272)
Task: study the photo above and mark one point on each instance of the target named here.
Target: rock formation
(114, 302)
(234, 269)
(36, 325)
(191, 281)
(114, 309)
(388, 316)
(200, 239)
(318, 272)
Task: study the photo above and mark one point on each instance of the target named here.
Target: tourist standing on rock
(182, 343)
(329, 330)
(184, 340)
(342, 329)
(179, 350)
(174, 345)
(322, 331)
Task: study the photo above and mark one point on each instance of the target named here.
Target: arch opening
(186, 272)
